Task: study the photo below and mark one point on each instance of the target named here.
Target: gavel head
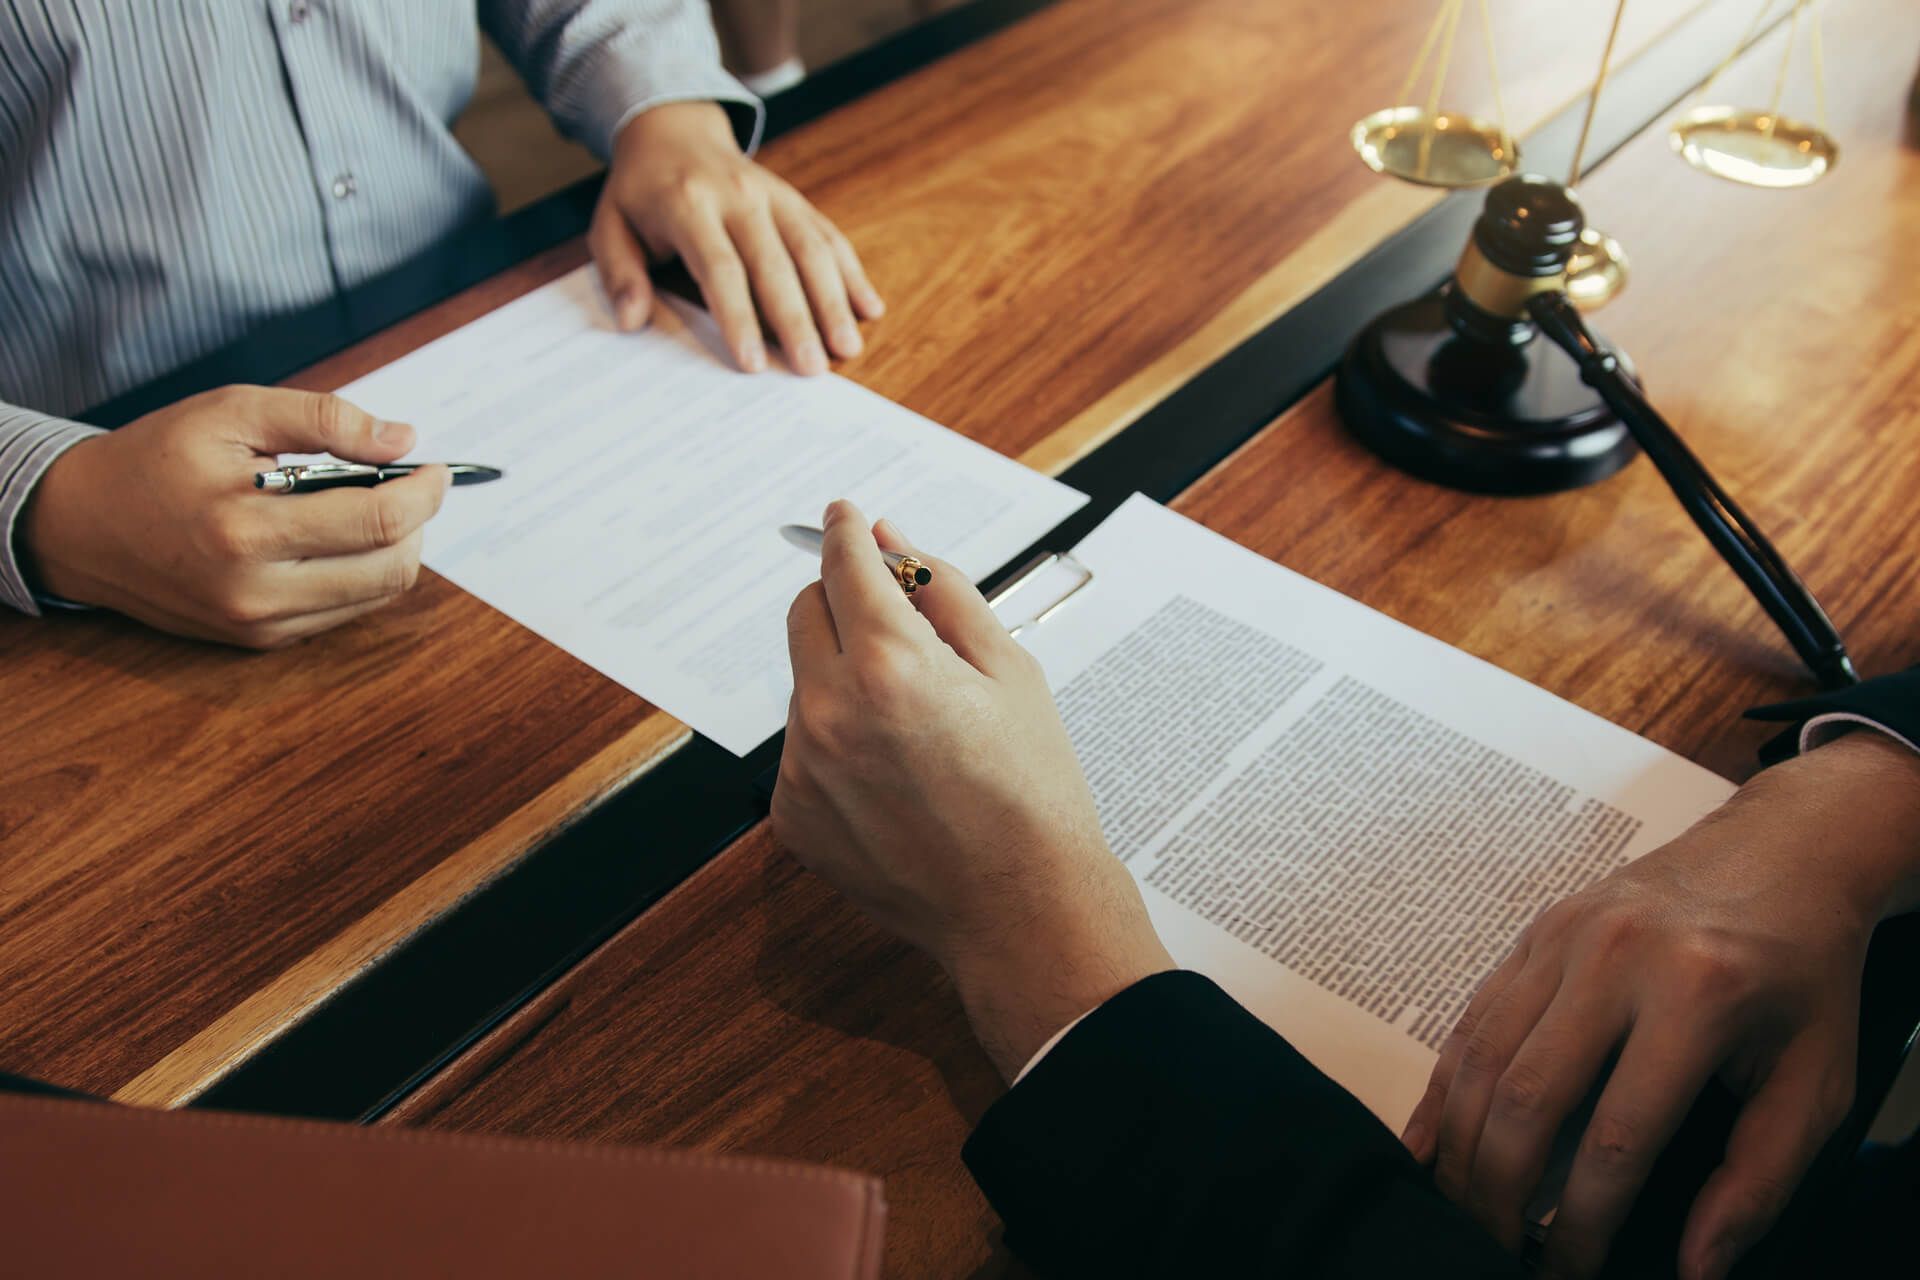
(1452, 386)
(1521, 245)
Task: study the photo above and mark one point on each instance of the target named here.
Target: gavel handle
(1737, 539)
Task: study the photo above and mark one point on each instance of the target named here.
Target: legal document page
(646, 483)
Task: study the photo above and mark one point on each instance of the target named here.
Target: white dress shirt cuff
(29, 442)
(1047, 1048)
(1826, 727)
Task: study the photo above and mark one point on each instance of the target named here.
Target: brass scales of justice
(1456, 387)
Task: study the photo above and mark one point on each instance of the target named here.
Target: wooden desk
(753, 1011)
(1069, 219)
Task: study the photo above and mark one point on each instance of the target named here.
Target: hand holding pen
(910, 573)
(164, 521)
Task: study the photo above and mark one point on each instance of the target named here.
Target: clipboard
(1037, 590)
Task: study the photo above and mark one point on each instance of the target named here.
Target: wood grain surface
(193, 853)
(752, 1011)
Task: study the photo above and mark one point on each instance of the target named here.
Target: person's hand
(679, 185)
(161, 521)
(1735, 950)
(927, 776)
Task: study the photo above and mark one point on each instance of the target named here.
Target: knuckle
(1480, 1057)
(232, 535)
(1712, 972)
(386, 519)
(1616, 932)
(1555, 919)
(810, 600)
(884, 673)
(1523, 1090)
(823, 718)
(690, 191)
(243, 610)
(814, 252)
(229, 399)
(1759, 1197)
(330, 416)
(716, 269)
(1614, 1142)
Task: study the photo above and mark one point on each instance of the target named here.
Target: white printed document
(646, 483)
(1343, 821)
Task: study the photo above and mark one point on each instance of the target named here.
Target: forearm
(595, 64)
(1044, 966)
(29, 443)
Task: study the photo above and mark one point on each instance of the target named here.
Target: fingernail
(754, 358)
(1415, 1137)
(831, 514)
(810, 358)
(627, 306)
(891, 532)
(392, 433)
(846, 340)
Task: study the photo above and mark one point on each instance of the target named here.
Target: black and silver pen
(908, 572)
(314, 477)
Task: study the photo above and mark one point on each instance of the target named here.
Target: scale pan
(1444, 150)
(1597, 270)
(1753, 148)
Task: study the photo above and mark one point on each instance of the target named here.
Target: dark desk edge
(395, 1026)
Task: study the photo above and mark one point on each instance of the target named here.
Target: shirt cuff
(29, 443)
(1047, 1048)
(626, 76)
(1824, 728)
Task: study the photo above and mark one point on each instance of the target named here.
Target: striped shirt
(172, 172)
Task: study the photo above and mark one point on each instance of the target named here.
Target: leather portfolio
(93, 1189)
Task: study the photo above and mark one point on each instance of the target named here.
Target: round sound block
(1480, 416)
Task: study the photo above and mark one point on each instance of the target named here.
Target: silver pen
(315, 477)
(908, 572)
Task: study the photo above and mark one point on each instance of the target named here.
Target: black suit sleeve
(1173, 1133)
(1892, 702)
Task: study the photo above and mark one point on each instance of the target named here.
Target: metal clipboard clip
(1038, 589)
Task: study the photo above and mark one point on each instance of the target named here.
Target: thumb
(623, 266)
(277, 421)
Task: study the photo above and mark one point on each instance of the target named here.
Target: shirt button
(298, 11)
(344, 186)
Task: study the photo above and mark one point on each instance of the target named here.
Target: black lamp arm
(1737, 539)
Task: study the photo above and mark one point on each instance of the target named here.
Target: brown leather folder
(91, 1189)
